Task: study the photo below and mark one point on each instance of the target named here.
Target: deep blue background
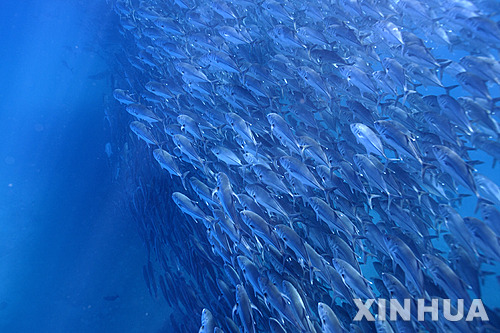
(64, 243)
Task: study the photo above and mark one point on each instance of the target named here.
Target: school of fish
(319, 152)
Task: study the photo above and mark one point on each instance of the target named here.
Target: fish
(143, 132)
(446, 278)
(352, 278)
(484, 237)
(490, 215)
(168, 163)
(466, 267)
(299, 170)
(398, 291)
(226, 155)
(189, 207)
(297, 304)
(271, 179)
(261, 228)
(330, 149)
(367, 137)
(264, 199)
(473, 84)
(451, 163)
(453, 110)
(123, 97)
(276, 299)
(403, 256)
(244, 309)
(207, 322)
(189, 125)
(399, 138)
(329, 321)
(225, 194)
(241, 127)
(281, 130)
(314, 80)
(159, 89)
(185, 146)
(335, 220)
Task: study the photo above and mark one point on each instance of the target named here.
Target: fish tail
(426, 166)
(183, 179)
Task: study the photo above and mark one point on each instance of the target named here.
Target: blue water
(68, 246)
(65, 243)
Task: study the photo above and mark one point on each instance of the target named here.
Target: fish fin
(443, 63)
(286, 299)
(257, 145)
(405, 95)
(206, 170)
(367, 254)
(234, 311)
(450, 88)
(214, 192)
(311, 275)
(183, 179)
(426, 166)
(474, 162)
(370, 198)
(256, 309)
